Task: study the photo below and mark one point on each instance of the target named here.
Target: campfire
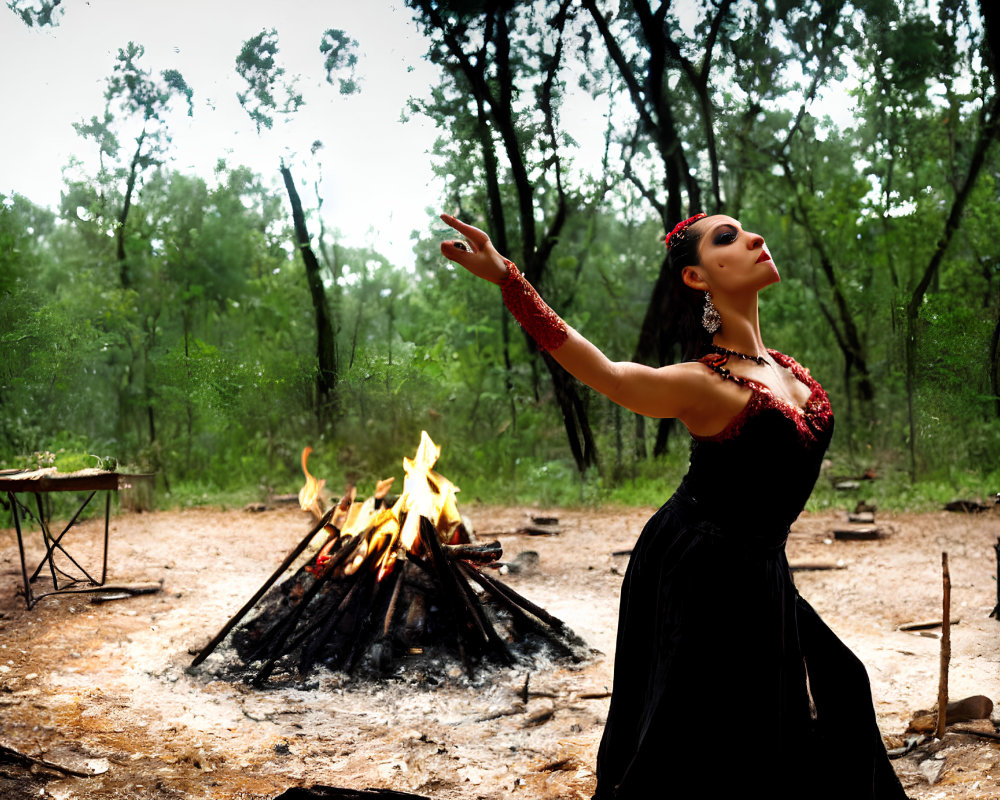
(391, 584)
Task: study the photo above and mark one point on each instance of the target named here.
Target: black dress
(725, 678)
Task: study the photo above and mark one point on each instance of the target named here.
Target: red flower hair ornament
(679, 229)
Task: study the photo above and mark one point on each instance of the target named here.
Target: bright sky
(377, 182)
(377, 178)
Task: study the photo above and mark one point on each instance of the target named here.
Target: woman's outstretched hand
(477, 253)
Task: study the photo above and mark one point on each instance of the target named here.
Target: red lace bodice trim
(810, 421)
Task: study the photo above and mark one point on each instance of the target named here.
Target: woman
(725, 678)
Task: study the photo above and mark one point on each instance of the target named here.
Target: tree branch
(987, 135)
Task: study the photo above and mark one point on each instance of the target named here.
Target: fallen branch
(334, 793)
(969, 709)
(815, 566)
(474, 552)
(536, 530)
(859, 534)
(12, 754)
(925, 625)
(118, 591)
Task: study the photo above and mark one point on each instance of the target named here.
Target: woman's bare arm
(671, 391)
(688, 391)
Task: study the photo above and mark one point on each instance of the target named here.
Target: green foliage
(137, 92)
(341, 54)
(268, 91)
(43, 13)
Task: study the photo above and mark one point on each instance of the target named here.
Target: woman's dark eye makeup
(726, 235)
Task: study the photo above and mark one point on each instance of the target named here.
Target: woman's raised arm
(678, 390)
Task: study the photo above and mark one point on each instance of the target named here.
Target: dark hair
(685, 305)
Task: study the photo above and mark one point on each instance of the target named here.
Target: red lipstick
(763, 257)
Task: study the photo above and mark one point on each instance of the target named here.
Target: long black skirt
(727, 680)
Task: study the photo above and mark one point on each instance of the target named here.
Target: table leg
(20, 547)
(53, 543)
(56, 544)
(47, 539)
(107, 518)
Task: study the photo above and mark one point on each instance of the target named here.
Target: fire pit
(394, 587)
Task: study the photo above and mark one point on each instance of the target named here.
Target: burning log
(387, 584)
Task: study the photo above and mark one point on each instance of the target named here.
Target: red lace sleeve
(541, 322)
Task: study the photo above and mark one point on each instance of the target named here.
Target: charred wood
(285, 564)
(373, 603)
(475, 552)
(474, 617)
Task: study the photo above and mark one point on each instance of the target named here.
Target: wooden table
(42, 481)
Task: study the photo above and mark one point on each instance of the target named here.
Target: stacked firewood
(391, 585)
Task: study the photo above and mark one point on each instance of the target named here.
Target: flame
(419, 498)
(382, 488)
(309, 499)
(358, 517)
(393, 531)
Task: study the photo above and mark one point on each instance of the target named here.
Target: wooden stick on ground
(11, 754)
(942, 720)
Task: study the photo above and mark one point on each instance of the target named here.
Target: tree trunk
(574, 414)
(572, 408)
(496, 112)
(657, 341)
(498, 233)
(846, 333)
(124, 269)
(995, 363)
(326, 342)
(987, 136)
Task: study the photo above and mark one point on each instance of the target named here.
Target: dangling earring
(710, 319)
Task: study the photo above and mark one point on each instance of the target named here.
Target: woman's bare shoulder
(711, 400)
(686, 391)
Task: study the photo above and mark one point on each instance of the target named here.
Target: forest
(207, 327)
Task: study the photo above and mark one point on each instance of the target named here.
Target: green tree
(269, 93)
(137, 105)
(500, 57)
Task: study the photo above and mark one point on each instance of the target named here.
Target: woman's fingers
(456, 251)
(477, 237)
(476, 254)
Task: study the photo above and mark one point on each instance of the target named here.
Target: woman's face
(732, 259)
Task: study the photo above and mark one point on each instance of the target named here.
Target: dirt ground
(106, 688)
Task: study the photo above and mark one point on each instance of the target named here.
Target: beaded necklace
(725, 351)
